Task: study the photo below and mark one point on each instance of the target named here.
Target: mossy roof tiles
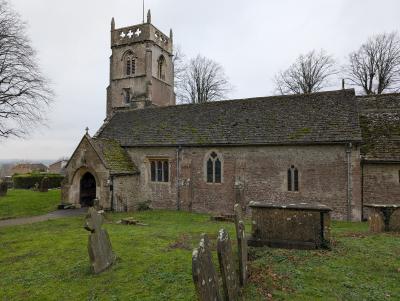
(324, 117)
(380, 124)
(115, 157)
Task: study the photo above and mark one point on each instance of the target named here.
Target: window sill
(162, 183)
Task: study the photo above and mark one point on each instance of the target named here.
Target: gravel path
(41, 218)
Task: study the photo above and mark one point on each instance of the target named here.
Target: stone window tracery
(214, 168)
(129, 63)
(161, 68)
(293, 179)
(159, 170)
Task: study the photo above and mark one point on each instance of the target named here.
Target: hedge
(28, 181)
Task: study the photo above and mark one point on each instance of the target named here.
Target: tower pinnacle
(149, 16)
(112, 23)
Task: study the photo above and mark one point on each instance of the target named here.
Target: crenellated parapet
(140, 33)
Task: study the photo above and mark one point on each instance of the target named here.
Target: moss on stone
(300, 133)
(115, 156)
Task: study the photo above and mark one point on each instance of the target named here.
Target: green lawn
(49, 261)
(360, 266)
(19, 202)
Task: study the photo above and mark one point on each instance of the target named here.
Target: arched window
(161, 67)
(129, 63)
(293, 179)
(214, 168)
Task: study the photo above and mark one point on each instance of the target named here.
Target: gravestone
(203, 272)
(227, 266)
(99, 246)
(242, 244)
(44, 185)
(3, 188)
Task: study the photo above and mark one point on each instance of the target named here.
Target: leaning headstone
(242, 244)
(226, 263)
(203, 272)
(44, 185)
(99, 246)
(3, 188)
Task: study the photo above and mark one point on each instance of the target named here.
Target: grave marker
(204, 274)
(242, 244)
(99, 246)
(227, 265)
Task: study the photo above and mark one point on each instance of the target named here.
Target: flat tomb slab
(287, 225)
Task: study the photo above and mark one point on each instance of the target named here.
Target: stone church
(331, 147)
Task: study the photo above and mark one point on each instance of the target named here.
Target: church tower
(141, 67)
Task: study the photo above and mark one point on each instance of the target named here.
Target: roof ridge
(218, 102)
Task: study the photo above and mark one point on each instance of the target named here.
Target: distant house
(58, 167)
(23, 168)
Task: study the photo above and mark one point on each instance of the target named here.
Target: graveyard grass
(49, 261)
(20, 202)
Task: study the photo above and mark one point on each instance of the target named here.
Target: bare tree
(179, 69)
(375, 67)
(203, 80)
(24, 92)
(310, 73)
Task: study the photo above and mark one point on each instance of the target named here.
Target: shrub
(143, 206)
(28, 181)
(3, 188)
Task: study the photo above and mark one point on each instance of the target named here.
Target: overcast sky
(251, 39)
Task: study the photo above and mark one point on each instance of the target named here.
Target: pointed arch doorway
(87, 190)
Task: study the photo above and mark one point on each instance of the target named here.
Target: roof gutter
(178, 200)
(379, 161)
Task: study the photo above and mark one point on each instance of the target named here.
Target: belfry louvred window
(130, 65)
(293, 179)
(159, 170)
(214, 169)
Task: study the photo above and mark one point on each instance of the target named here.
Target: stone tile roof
(114, 156)
(324, 117)
(380, 124)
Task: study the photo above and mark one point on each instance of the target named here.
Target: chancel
(332, 147)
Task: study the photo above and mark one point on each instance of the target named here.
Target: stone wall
(381, 183)
(252, 174)
(85, 159)
(125, 193)
(147, 48)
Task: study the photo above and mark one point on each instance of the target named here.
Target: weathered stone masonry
(339, 149)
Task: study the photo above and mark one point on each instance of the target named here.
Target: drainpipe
(362, 192)
(112, 193)
(349, 182)
(178, 201)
